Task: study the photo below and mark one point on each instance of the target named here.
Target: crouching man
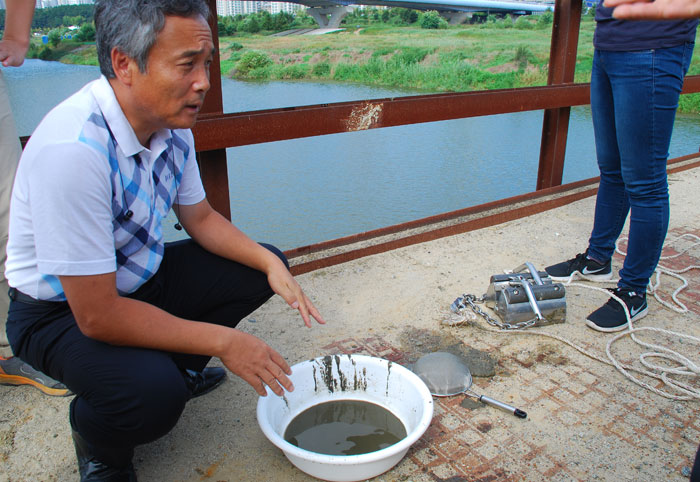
(97, 300)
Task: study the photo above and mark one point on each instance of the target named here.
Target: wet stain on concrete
(547, 353)
(471, 404)
(418, 342)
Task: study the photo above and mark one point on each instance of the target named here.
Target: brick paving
(481, 445)
(605, 424)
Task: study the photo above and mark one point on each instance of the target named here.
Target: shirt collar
(119, 125)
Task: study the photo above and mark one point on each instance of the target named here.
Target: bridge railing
(215, 130)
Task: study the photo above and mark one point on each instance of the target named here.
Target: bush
(251, 61)
(46, 53)
(432, 19)
(321, 69)
(294, 72)
(523, 23)
(545, 20)
(411, 55)
(522, 56)
(235, 46)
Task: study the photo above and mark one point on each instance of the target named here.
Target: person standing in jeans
(659, 10)
(637, 76)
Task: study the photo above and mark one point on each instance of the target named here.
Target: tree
(65, 15)
(250, 24)
(282, 21)
(86, 33)
(54, 37)
(226, 26)
(265, 19)
(69, 20)
(409, 16)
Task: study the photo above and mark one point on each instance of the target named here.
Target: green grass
(463, 58)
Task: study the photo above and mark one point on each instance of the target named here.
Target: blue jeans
(634, 96)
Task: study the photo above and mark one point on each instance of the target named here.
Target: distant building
(228, 8)
(58, 3)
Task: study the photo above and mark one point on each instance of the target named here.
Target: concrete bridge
(329, 13)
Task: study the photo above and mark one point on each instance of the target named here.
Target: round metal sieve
(446, 375)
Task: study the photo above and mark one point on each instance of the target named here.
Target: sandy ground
(401, 298)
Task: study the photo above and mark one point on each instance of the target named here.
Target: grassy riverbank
(460, 58)
(469, 57)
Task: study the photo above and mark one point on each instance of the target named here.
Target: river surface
(303, 191)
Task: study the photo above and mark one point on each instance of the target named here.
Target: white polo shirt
(89, 198)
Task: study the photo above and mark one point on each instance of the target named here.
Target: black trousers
(128, 396)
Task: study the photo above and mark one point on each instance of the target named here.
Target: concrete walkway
(586, 421)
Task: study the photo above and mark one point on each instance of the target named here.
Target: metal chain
(471, 300)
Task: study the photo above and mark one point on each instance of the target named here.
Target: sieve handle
(503, 406)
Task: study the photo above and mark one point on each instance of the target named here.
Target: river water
(298, 192)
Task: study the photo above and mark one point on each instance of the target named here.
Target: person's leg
(10, 150)
(195, 284)
(124, 396)
(612, 204)
(644, 135)
(645, 90)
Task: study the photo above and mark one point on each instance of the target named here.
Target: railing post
(562, 65)
(212, 164)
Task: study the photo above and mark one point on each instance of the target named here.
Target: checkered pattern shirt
(90, 199)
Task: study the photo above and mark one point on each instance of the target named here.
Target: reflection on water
(302, 191)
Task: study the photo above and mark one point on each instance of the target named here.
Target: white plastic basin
(348, 377)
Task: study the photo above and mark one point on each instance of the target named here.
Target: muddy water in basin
(345, 427)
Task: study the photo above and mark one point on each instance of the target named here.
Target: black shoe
(203, 382)
(581, 266)
(92, 470)
(611, 316)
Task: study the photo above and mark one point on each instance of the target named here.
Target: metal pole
(212, 164)
(562, 65)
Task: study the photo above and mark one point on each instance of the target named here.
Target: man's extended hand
(283, 283)
(255, 362)
(654, 10)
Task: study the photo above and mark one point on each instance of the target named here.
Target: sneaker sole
(613, 329)
(578, 274)
(15, 380)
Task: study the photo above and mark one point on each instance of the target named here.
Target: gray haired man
(99, 301)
